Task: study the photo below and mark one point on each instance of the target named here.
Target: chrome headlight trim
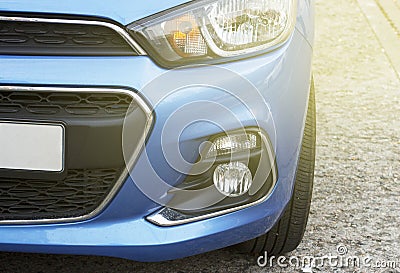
(188, 35)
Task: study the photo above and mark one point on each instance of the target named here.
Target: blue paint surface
(281, 76)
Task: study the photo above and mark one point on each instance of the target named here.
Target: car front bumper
(283, 79)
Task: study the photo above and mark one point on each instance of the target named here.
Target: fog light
(234, 143)
(233, 179)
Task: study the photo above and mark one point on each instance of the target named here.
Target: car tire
(288, 232)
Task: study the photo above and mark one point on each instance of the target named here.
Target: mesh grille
(79, 193)
(38, 38)
(65, 104)
(94, 162)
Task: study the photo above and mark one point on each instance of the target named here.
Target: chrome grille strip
(122, 32)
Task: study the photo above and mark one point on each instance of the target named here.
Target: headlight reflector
(214, 30)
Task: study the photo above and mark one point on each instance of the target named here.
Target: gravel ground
(357, 184)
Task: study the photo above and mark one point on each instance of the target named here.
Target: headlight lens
(210, 31)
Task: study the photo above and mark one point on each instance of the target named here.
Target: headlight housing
(209, 31)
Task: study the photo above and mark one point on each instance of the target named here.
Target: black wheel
(288, 232)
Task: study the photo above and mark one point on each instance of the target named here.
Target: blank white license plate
(34, 147)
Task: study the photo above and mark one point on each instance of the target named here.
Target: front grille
(65, 39)
(62, 104)
(94, 161)
(79, 193)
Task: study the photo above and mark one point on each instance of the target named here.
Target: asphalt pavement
(356, 206)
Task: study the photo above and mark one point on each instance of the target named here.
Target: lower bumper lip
(137, 239)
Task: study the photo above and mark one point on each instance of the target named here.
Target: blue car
(155, 130)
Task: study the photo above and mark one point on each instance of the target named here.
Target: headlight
(215, 31)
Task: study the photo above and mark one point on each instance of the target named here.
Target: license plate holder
(32, 146)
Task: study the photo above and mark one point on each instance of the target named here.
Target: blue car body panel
(123, 12)
(283, 78)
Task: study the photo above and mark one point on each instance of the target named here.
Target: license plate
(32, 147)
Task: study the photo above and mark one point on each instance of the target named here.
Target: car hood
(122, 11)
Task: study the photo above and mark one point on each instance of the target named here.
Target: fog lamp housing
(241, 172)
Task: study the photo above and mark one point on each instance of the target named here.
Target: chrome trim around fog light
(167, 217)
